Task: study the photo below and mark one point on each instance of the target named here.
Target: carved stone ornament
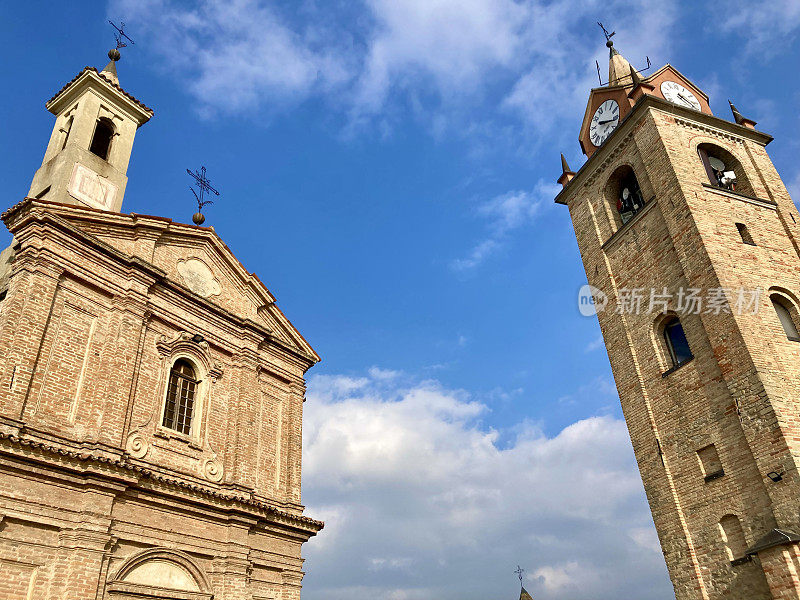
(212, 470)
(137, 446)
(198, 277)
(183, 342)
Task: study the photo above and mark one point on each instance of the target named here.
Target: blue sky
(387, 168)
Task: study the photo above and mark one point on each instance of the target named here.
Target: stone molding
(64, 217)
(118, 585)
(183, 342)
(104, 466)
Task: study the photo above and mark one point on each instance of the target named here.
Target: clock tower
(691, 246)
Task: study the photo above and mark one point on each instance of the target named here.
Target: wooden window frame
(179, 417)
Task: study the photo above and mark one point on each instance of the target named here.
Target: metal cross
(519, 571)
(204, 185)
(120, 35)
(605, 32)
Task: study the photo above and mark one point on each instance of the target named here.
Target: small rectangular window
(710, 463)
(745, 234)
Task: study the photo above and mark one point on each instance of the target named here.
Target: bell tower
(87, 158)
(691, 246)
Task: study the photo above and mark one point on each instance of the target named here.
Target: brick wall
(95, 313)
(739, 392)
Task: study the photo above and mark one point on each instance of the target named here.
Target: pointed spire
(564, 166)
(741, 119)
(110, 70)
(566, 173)
(524, 595)
(640, 86)
(737, 116)
(620, 70)
(635, 79)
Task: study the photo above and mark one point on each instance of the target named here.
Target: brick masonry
(99, 500)
(740, 392)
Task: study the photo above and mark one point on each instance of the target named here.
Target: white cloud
(595, 344)
(236, 56)
(504, 214)
(420, 502)
(476, 256)
(383, 374)
(451, 44)
(794, 188)
(462, 66)
(765, 26)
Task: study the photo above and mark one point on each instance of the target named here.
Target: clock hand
(606, 121)
(685, 99)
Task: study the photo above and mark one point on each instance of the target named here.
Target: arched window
(101, 140)
(677, 345)
(181, 392)
(624, 193)
(730, 530)
(723, 170)
(785, 317)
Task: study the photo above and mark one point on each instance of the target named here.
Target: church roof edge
(106, 79)
(138, 220)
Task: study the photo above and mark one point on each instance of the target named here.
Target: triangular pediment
(194, 261)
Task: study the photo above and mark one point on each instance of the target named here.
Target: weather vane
(519, 571)
(605, 32)
(120, 35)
(610, 44)
(204, 185)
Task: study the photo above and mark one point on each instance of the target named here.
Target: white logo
(591, 300)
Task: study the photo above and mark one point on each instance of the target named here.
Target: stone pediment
(194, 260)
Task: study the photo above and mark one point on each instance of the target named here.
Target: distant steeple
(524, 595)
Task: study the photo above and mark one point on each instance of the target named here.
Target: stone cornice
(105, 466)
(91, 77)
(684, 116)
(58, 215)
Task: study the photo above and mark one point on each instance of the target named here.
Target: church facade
(151, 391)
(691, 246)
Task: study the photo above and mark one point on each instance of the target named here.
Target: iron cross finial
(120, 35)
(519, 571)
(203, 185)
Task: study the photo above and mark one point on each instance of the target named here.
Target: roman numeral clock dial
(604, 121)
(675, 92)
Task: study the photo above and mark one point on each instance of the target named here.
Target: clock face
(604, 121)
(675, 92)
